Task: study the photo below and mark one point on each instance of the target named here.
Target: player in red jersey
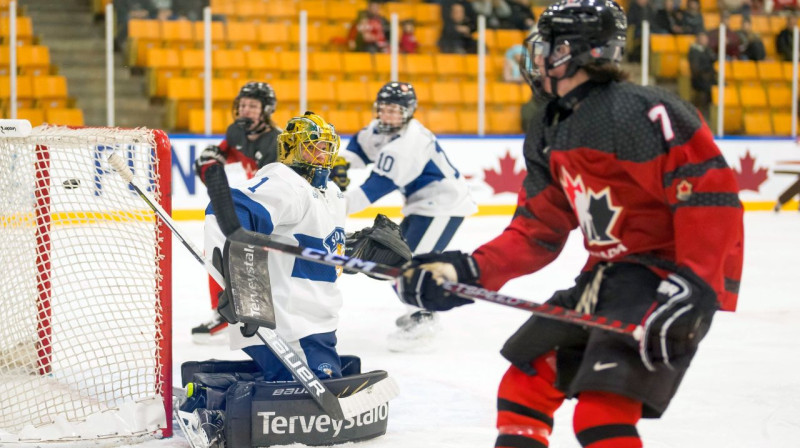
(638, 171)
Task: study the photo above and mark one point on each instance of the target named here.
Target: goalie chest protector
(262, 414)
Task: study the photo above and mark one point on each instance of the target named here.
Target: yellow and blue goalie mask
(310, 145)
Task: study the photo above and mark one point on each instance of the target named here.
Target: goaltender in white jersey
(293, 203)
(406, 156)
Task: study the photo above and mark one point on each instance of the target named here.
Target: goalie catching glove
(681, 317)
(382, 243)
(421, 285)
(247, 297)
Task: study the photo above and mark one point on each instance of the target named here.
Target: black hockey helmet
(576, 33)
(260, 91)
(400, 93)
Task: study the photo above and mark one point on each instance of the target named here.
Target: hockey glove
(382, 243)
(212, 155)
(339, 173)
(681, 317)
(418, 286)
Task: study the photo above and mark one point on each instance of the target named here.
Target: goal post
(85, 350)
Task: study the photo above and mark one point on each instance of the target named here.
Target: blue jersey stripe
(356, 149)
(309, 269)
(252, 215)
(377, 186)
(430, 173)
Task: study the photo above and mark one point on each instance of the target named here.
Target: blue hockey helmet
(400, 93)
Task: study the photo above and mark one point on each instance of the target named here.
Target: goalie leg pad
(268, 413)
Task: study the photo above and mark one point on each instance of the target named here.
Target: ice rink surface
(743, 389)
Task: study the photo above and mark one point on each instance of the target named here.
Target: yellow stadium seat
(274, 36)
(177, 34)
(345, 121)
(262, 64)
(743, 71)
(777, 23)
(320, 95)
(787, 71)
(325, 65)
(753, 97)
(760, 24)
(353, 93)
(289, 63)
(183, 94)
(249, 11)
(229, 63)
(782, 123)
(446, 93)
(32, 59)
(710, 19)
(417, 67)
(64, 117)
(24, 90)
(732, 122)
(402, 9)
(450, 67)
(735, 21)
(142, 35)
(708, 5)
(382, 65)
(442, 121)
(769, 71)
(779, 96)
(50, 92)
(427, 14)
(219, 121)
(427, 38)
(757, 123)
(358, 66)
(24, 30)
(505, 39)
(467, 121)
(731, 96)
(224, 91)
(472, 66)
(242, 35)
(287, 91)
(35, 116)
(683, 42)
(769, 47)
(317, 10)
(342, 11)
(504, 121)
(663, 43)
(193, 62)
(504, 93)
(314, 37)
(217, 34)
(282, 10)
(162, 64)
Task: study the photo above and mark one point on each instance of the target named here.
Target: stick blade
(369, 398)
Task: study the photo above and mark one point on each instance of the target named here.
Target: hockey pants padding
(606, 420)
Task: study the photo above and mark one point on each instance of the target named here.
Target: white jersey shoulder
(279, 202)
(411, 161)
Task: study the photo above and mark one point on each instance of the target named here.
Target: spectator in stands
(703, 75)
(163, 9)
(639, 11)
(783, 41)
(751, 46)
(370, 31)
(457, 32)
(692, 22)
(735, 7)
(669, 19)
(497, 12)
(130, 9)
(511, 72)
(732, 43)
(784, 5)
(408, 41)
(522, 17)
(189, 9)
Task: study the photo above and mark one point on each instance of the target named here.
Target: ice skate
(211, 332)
(415, 332)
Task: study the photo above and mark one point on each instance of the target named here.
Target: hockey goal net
(85, 351)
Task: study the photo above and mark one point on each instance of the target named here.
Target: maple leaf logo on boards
(507, 179)
(747, 176)
(596, 212)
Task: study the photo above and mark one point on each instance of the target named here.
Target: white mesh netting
(82, 263)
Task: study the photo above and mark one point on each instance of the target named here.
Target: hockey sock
(607, 420)
(526, 404)
(214, 289)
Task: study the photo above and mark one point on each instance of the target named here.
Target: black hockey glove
(212, 155)
(339, 173)
(685, 305)
(382, 243)
(418, 287)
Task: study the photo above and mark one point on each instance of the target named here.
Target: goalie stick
(225, 212)
(336, 408)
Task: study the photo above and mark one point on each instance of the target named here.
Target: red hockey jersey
(638, 170)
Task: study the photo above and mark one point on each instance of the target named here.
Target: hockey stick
(467, 291)
(337, 408)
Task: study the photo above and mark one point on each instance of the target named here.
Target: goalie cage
(85, 353)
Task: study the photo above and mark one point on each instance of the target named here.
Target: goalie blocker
(262, 413)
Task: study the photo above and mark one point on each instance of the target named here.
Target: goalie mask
(309, 145)
(394, 106)
(573, 34)
(262, 92)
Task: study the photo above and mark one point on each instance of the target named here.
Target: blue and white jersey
(412, 162)
(279, 202)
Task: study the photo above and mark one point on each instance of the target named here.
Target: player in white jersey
(293, 202)
(405, 156)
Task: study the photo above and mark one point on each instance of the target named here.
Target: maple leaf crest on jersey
(595, 211)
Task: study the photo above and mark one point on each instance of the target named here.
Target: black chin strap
(258, 129)
(576, 95)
